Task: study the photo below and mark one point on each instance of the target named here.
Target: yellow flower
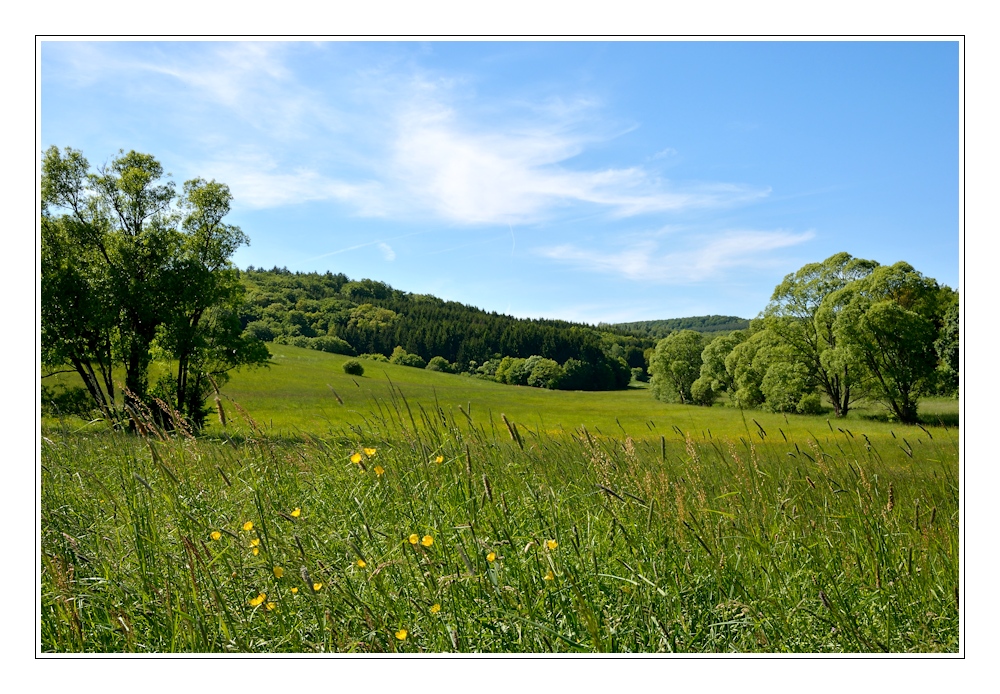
(355, 458)
(413, 539)
(369, 452)
(492, 556)
(270, 606)
(439, 459)
(296, 513)
(248, 526)
(216, 535)
(258, 600)
(317, 587)
(294, 591)
(401, 634)
(379, 470)
(254, 542)
(550, 576)
(551, 544)
(278, 572)
(361, 563)
(435, 608)
(427, 541)
(256, 551)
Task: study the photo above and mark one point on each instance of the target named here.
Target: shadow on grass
(931, 419)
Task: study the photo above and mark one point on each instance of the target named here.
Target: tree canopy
(846, 328)
(134, 272)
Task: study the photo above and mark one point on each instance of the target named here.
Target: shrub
(332, 344)
(546, 373)
(403, 358)
(440, 364)
(702, 393)
(354, 367)
(67, 401)
(810, 404)
(374, 357)
(639, 374)
(488, 369)
(414, 360)
(261, 330)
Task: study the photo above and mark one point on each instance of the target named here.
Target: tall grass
(537, 541)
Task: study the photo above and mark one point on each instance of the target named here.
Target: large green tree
(795, 318)
(133, 271)
(676, 365)
(888, 322)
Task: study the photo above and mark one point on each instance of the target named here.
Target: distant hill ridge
(661, 328)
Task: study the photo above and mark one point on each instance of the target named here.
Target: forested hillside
(335, 314)
(661, 328)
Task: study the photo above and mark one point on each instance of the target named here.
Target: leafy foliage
(374, 318)
(888, 324)
(661, 328)
(676, 365)
(353, 367)
(132, 272)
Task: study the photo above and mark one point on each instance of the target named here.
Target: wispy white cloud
(665, 153)
(387, 251)
(522, 175)
(259, 182)
(397, 142)
(645, 261)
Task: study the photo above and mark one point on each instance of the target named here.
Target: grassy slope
(297, 393)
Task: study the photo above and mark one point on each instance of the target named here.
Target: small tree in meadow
(354, 368)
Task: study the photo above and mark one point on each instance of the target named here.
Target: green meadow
(412, 511)
(304, 390)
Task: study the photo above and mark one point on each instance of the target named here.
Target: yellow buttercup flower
(439, 459)
(361, 563)
(401, 634)
(492, 556)
(379, 470)
(254, 542)
(355, 458)
(369, 452)
(278, 572)
(427, 541)
(551, 544)
(435, 608)
(294, 591)
(317, 587)
(256, 551)
(413, 539)
(270, 606)
(248, 526)
(550, 576)
(258, 600)
(296, 513)
(216, 535)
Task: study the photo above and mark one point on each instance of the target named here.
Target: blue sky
(585, 181)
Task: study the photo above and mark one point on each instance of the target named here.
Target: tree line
(334, 313)
(844, 329)
(661, 328)
(137, 274)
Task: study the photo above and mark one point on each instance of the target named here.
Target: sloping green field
(298, 393)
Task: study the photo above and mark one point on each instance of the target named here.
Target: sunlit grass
(683, 529)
